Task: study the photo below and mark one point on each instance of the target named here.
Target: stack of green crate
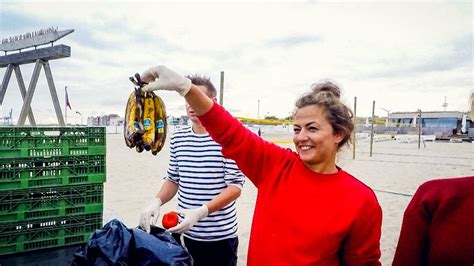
(51, 186)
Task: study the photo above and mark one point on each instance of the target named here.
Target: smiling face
(314, 138)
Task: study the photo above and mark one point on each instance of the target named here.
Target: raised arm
(200, 102)
(254, 156)
(163, 78)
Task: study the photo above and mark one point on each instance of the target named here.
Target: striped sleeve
(173, 169)
(233, 176)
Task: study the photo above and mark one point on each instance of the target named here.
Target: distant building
(117, 121)
(174, 121)
(439, 123)
(471, 105)
(105, 120)
(470, 128)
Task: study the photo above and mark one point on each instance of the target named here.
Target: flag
(67, 100)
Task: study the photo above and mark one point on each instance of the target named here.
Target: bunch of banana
(145, 119)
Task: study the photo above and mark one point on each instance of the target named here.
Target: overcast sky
(405, 56)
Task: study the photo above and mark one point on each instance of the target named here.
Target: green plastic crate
(41, 203)
(51, 141)
(47, 233)
(30, 172)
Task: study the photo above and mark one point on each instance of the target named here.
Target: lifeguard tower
(39, 56)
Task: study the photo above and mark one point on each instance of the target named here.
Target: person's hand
(163, 78)
(152, 210)
(191, 217)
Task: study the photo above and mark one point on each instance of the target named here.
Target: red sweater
(438, 225)
(301, 217)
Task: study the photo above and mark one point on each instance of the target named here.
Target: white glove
(163, 78)
(191, 217)
(152, 210)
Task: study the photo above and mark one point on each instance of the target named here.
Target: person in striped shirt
(207, 185)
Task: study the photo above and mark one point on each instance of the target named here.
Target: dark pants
(210, 253)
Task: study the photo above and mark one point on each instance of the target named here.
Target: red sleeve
(362, 244)
(253, 155)
(413, 242)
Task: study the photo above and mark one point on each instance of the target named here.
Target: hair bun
(327, 86)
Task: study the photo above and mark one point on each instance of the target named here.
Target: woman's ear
(338, 137)
(214, 99)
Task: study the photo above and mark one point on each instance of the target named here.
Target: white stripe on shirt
(202, 172)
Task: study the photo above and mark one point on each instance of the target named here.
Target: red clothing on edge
(301, 217)
(438, 225)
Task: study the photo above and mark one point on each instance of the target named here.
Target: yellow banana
(133, 127)
(148, 121)
(138, 119)
(127, 130)
(145, 119)
(131, 122)
(160, 122)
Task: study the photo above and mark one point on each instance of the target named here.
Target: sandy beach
(394, 172)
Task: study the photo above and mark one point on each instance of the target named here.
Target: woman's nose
(302, 135)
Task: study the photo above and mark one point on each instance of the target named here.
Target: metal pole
(355, 129)
(29, 94)
(372, 128)
(419, 128)
(221, 94)
(388, 115)
(52, 90)
(21, 85)
(65, 106)
(258, 109)
(6, 80)
(79, 113)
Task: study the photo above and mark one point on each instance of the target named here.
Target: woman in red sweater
(308, 210)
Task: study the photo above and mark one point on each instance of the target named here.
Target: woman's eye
(313, 129)
(296, 130)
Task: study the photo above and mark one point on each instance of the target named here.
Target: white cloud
(404, 56)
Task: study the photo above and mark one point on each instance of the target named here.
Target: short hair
(327, 95)
(204, 81)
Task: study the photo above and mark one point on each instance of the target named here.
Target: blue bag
(115, 244)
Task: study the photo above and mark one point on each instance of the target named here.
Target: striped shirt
(201, 172)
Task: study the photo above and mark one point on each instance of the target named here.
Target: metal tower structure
(41, 59)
